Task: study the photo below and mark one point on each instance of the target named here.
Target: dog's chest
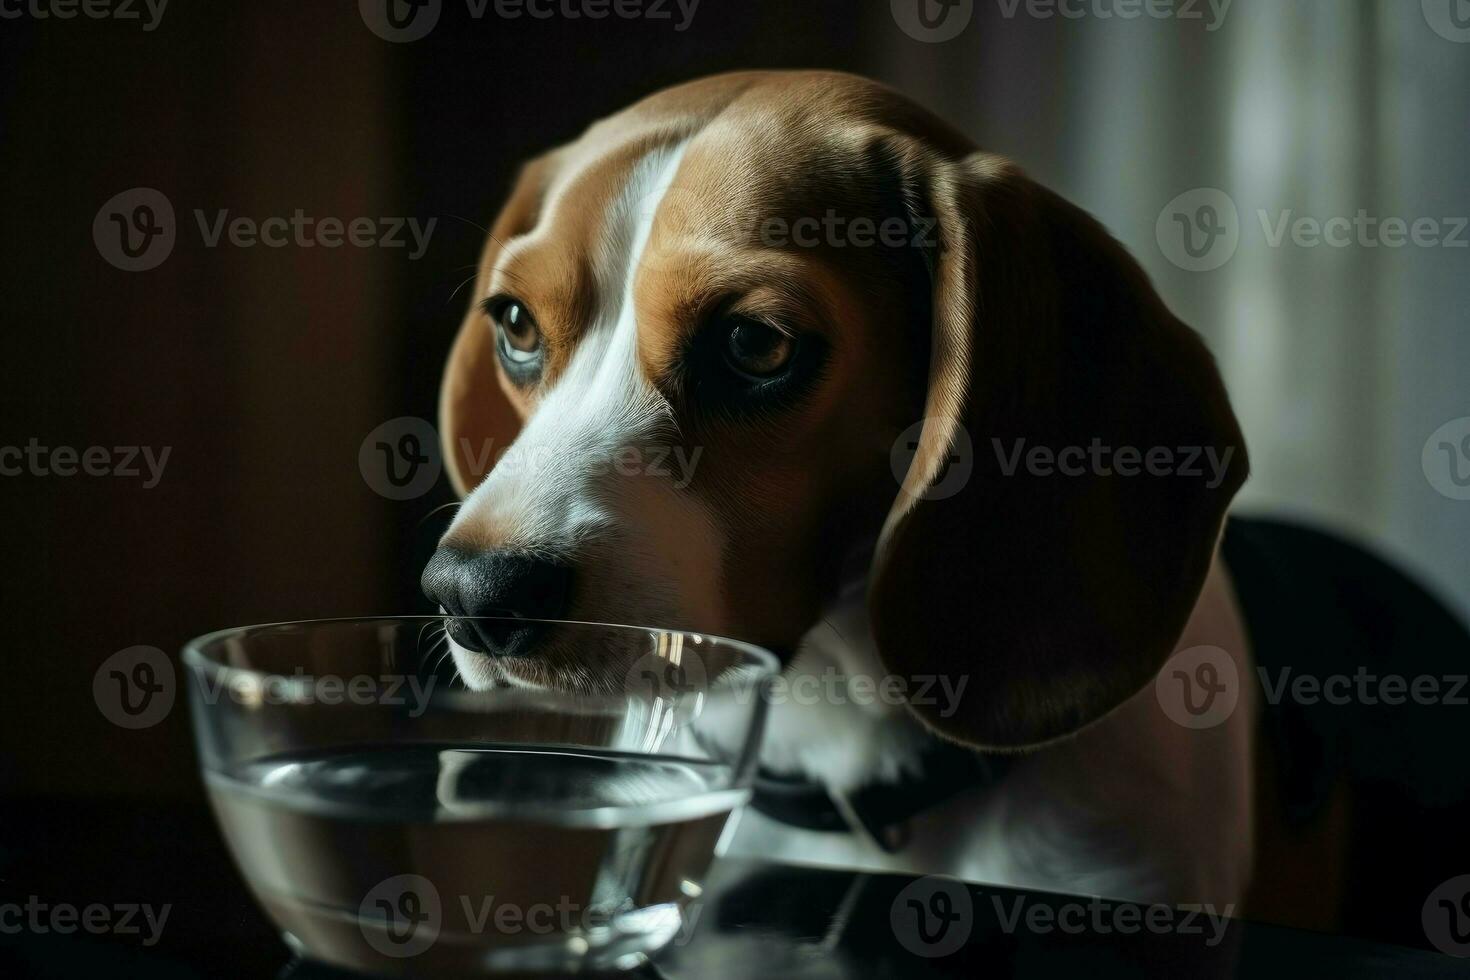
(1133, 807)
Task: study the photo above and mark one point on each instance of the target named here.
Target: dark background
(264, 369)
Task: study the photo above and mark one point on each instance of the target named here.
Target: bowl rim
(758, 663)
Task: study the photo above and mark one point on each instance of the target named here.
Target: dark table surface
(755, 920)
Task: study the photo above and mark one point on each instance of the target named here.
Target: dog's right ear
(1061, 589)
(477, 418)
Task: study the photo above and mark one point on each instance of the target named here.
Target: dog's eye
(518, 329)
(757, 350)
(517, 338)
(739, 362)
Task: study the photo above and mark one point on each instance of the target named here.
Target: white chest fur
(1134, 807)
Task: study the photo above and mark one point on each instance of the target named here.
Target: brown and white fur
(1059, 599)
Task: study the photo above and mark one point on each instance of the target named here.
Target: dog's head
(707, 333)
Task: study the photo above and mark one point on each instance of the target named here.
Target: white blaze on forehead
(589, 477)
(559, 482)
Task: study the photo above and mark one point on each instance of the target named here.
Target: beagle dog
(772, 355)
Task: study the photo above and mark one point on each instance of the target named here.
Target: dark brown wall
(261, 370)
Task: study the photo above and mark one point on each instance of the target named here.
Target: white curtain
(1342, 360)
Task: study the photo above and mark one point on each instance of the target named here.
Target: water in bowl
(424, 858)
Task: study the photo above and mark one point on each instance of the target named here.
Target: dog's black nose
(496, 584)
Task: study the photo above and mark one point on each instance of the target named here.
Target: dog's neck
(830, 719)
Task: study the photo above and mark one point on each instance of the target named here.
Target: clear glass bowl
(392, 821)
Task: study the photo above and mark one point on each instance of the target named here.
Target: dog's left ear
(1058, 578)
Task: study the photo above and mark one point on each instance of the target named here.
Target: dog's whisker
(476, 273)
(439, 654)
(422, 520)
(472, 224)
(419, 646)
(459, 287)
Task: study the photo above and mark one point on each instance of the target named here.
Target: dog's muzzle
(496, 584)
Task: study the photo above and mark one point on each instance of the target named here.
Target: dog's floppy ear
(1059, 576)
(477, 420)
